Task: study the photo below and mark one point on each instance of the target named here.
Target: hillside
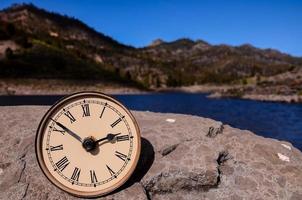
(49, 45)
(35, 43)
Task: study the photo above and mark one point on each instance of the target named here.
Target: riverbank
(182, 156)
(251, 92)
(61, 87)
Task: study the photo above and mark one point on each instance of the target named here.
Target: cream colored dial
(88, 144)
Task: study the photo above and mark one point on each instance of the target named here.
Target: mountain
(49, 45)
(36, 43)
(156, 42)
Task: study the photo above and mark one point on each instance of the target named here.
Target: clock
(88, 144)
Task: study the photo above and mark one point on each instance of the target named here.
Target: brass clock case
(44, 154)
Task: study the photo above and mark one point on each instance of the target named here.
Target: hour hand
(109, 137)
(68, 131)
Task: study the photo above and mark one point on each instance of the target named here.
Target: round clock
(88, 144)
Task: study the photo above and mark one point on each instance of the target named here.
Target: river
(276, 120)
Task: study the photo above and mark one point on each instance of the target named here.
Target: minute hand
(68, 131)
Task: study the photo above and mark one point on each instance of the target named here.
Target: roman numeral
(69, 115)
(93, 177)
(112, 173)
(86, 111)
(120, 155)
(56, 148)
(103, 110)
(62, 164)
(122, 138)
(116, 122)
(57, 130)
(76, 174)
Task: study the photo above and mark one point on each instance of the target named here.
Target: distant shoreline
(227, 91)
(61, 87)
(64, 87)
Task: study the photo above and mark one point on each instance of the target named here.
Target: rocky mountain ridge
(77, 51)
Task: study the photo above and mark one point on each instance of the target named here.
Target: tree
(22, 40)
(10, 29)
(9, 53)
(158, 82)
(128, 75)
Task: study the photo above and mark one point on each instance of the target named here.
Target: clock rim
(38, 145)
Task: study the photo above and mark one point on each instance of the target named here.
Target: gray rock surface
(178, 161)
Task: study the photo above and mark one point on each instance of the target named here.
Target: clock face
(88, 144)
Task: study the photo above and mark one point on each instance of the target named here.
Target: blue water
(276, 120)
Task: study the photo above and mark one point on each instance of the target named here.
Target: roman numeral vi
(93, 176)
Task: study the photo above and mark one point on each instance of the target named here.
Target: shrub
(9, 53)
(22, 40)
(10, 29)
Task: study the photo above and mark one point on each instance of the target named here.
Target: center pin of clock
(89, 144)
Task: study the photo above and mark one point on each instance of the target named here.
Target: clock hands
(109, 137)
(68, 131)
(89, 144)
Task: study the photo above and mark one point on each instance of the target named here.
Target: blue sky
(262, 23)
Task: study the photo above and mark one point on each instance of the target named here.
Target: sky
(263, 23)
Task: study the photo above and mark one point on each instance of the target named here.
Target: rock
(223, 156)
(170, 120)
(178, 161)
(156, 42)
(245, 183)
(286, 146)
(283, 157)
(215, 130)
(294, 98)
(168, 150)
(5, 44)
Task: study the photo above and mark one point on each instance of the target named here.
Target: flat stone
(178, 161)
(170, 173)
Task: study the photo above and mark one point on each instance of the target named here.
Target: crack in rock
(169, 149)
(223, 156)
(25, 193)
(22, 170)
(178, 180)
(198, 174)
(22, 159)
(215, 130)
(147, 192)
